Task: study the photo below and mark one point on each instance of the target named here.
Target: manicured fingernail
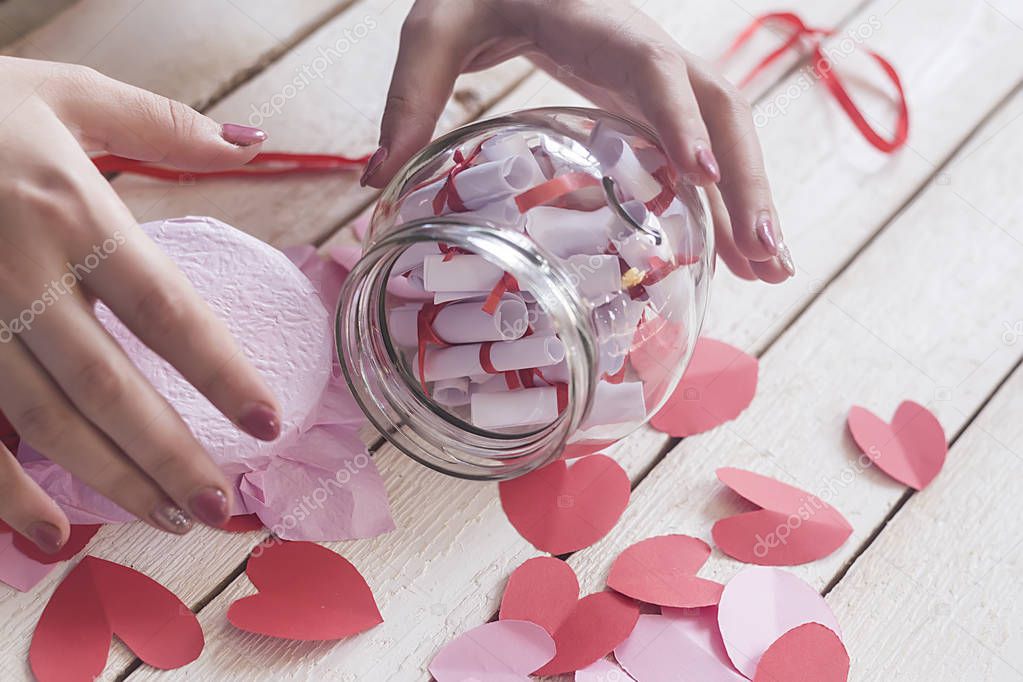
(46, 536)
(243, 136)
(705, 157)
(785, 258)
(172, 518)
(379, 156)
(765, 233)
(209, 505)
(261, 421)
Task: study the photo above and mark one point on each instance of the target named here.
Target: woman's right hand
(66, 241)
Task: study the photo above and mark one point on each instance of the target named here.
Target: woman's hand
(66, 240)
(621, 60)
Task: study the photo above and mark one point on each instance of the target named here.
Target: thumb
(108, 115)
(424, 77)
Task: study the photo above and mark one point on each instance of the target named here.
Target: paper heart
(602, 671)
(99, 599)
(242, 523)
(808, 653)
(794, 527)
(677, 640)
(759, 605)
(306, 592)
(562, 508)
(545, 591)
(80, 536)
(16, 569)
(501, 651)
(718, 385)
(911, 449)
(662, 571)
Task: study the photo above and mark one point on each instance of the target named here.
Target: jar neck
(396, 404)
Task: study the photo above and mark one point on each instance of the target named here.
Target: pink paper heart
(662, 571)
(501, 651)
(562, 508)
(794, 527)
(543, 590)
(602, 670)
(677, 640)
(306, 592)
(911, 449)
(718, 385)
(808, 653)
(759, 605)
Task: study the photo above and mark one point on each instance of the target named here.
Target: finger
(27, 509)
(47, 421)
(109, 391)
(724, 245)
(770, 271)
(108, 115)
(744, 185)
(666, 99)
(151, 296)
(430, 57)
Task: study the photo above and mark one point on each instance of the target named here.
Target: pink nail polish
(765, 233)
(46, 536)
(379, 156)
(242, 136)
(171, 518)
(708, 163)
(785, 258)
(260, 421)
(209, 505)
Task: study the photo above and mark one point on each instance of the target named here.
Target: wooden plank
(445, 565)
(325, 95)
(937, 596)
(920, 314)
(189, 50)
(19, 17)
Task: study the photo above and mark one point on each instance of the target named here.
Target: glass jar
(532, 286)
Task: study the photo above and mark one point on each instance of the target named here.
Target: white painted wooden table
(910, 286)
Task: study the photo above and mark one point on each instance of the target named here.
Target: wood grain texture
(189, 50)
(445, 567)
(19, 17)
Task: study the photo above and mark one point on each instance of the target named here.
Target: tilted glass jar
(532, 286)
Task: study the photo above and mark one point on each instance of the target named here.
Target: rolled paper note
(451, 392)
(638, 249)
(419, 204)
(462, 322)
(492, 180)
(412, 257)
(616, 323)
(619, 161)
(510, 409)
(467, 359)
(467, 272)
(566, 233)
(447, 296)
(494, 383)
(556, 373)
(616, 404)
(505, 146)
(596, 276)
(652, 158)
(503, 212)
(670, 296)
(540, 322)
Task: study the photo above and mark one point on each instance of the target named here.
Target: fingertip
(47, 536)
(260, 420)
(770, 271)
(369, 174)
(242, 135)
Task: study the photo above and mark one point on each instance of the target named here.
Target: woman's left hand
(620, 59)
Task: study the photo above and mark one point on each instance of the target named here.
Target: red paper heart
(911, 449)
(794, 527)
(545, 591)
(562, 508)
(718, 385)
(662, 571)
(98, 599)
(242, 524)
(306, 592)
(808, 653)
(80, 536)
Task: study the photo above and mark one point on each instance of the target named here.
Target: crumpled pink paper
(316, 481)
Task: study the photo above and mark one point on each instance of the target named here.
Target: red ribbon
(505, 284)
(555, 188)
(659, 204)
(264, 164)
(427, 335)
(823, 70)
(448, 194)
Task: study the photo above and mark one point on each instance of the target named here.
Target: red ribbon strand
(267, 164)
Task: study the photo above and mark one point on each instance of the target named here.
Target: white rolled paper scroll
(670, 297)
(446, 296)
(501, 147)
(636, 248)
(503, 212)
(467, 272)
(556, 373)
(596, 276)
(565, 232)
(451, 392)
(464, 360)
(419, 204)
(620, 162)
(616, 323)
(616, 404)
(412, 257)
(489, 181)
(463, 322)
(510, 409)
